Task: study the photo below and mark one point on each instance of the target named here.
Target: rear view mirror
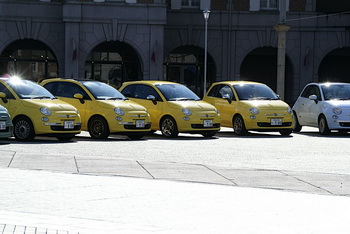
(152, 98)
(80, 97)
(227, 97)
(314, 98)
(3, 97)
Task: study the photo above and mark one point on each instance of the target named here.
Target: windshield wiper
(41, 97)
(184, 99)
(115, 98)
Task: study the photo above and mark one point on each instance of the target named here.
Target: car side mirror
(80, 97)
(313, 98)
(3, 97)
(227, 97)
(152, 98)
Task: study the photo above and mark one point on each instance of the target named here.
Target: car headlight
(76, 111)
(254, 110)
(186, 111)
(216, 111)
(119, 111)
(290, 111)
(337, 111)
(45, 111)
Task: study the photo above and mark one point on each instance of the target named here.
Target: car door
(309, 110)
(9, 102)
(225, 106)
(65, 91)
(141, 93)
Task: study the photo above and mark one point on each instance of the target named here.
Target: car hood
(343, 104)
(267, 104)
(52, 104)
(125, 105)
(192, 105)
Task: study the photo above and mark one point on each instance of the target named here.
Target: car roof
(328, 83)
(151, 82)
(236, 82)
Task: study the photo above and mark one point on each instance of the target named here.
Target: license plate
(68, 124)
(208, 123)
(2, 125)
(276, 122)
(140, 123)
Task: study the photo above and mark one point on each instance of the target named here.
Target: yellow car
(35, 111)
(173, 108)
(251, 106)
(103, 109)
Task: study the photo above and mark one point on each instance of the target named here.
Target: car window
(103, 91)
(224, 91)
(177, 92)
(143, 91)
(7, 92)
(311, 90)
(255, 92)
(27, 89)
(129, 91)
(339, 92)
(65, 89)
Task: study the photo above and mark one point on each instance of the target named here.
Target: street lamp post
(206, 13)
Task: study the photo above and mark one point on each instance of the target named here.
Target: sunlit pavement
(61, 203)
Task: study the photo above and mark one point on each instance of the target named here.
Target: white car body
(331, 101)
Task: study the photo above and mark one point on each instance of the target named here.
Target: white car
(323, 105)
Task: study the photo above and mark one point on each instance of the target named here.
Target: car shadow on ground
(182, 136)
(37, 140)
(333, 134)
(251, 134)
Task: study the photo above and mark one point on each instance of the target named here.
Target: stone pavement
(71, 194)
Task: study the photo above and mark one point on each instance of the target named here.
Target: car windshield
(255, 92)
(26, 89)
(336, 91)
(102, 91)
(177, 92)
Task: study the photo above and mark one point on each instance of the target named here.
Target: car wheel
(98, 128)
(239, 126)
(208, 134)
(286, 132)
(297, 126)
(23, 129)
(323, 126)
(135, 136)
(168, 127)
(66, 137)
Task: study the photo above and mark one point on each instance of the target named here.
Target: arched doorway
(335, 66)
(185, 65)
(29, 59)
(113, 63)
(260, 65)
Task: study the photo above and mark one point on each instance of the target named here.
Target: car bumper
(130, 122)
(269, 123)
(56, 124)
(198, 124)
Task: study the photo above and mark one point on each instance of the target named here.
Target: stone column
(281, 58)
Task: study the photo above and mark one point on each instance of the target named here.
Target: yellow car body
(173, 108)
(35, 111)
(103, 109)
(253, 106)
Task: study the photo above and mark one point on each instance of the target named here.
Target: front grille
(147, 126)
(344, 124)
(285, 124)
(61, 128)
(198, 126)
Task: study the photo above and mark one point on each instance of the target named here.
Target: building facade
(121, 40)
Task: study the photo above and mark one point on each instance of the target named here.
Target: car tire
(168, 127)
(135, 136)
(286, 132)
(98, 128)
(65, 137)
(297, 126)
(239, 126)
(23, 129)
(323, 126)
(208, 134)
